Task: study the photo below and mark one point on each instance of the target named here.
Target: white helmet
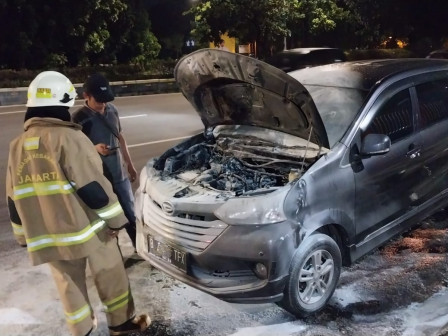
(51, 88)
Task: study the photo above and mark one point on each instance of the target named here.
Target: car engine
(235, 163)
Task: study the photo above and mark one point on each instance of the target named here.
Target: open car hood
(231, 89)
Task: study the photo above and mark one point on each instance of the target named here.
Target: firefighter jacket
(59, 201)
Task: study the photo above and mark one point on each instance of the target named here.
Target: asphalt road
(151, 124)
(399, 290)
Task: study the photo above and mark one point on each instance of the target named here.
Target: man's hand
(132, 172)
(102, 149)
(113, 233)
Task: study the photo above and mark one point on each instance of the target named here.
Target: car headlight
(150, 171)
(265, 209)
(296, 200)
(138, 196)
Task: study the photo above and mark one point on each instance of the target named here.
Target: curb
(17, 96)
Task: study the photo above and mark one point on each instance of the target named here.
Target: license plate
(168, 253)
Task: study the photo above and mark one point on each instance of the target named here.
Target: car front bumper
(226, 268)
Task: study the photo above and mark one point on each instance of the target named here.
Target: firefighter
(64, 211)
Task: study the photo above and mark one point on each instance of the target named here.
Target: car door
(384, 183)
(433, 124)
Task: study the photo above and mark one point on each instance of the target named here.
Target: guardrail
(16, 96)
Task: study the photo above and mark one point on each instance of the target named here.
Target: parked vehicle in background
(294, 175)
(299, 58)
(442, 53)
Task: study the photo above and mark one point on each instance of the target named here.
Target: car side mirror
(375, 144)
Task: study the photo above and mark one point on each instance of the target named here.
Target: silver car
(300, 58)
(294, 175)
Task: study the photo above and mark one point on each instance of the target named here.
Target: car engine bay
(237, 163)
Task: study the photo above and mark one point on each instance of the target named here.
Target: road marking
(125, 117)
(23, 111)
(12, 112)
(134, 116)
(159, 141)
(116, 98)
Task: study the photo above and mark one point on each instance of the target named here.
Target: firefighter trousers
(111, 281)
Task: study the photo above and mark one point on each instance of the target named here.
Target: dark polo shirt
(104, 128)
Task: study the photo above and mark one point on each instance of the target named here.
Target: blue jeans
(123, 190)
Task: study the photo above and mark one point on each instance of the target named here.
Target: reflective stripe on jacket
(47, 164)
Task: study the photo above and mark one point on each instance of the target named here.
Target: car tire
(313, 276)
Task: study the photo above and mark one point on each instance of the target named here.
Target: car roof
(441, 53)
(305, 50)
(362, 75)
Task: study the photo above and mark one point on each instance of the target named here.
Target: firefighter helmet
(51, 88)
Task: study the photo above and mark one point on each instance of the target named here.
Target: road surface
(399, 290)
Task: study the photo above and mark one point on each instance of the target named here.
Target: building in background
(229, 42)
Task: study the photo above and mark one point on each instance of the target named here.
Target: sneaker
(94, 323)
(138, 323)
(135, 255)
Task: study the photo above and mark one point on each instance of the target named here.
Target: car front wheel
(314, 274)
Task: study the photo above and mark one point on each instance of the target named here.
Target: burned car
(294, 175)
(299, 58)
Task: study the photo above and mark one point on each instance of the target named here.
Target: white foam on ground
(428, 316)
(346, 295)
(16, 316)
(283, 329)
(349, 294)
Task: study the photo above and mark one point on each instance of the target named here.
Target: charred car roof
(340, 90)
(362, 75)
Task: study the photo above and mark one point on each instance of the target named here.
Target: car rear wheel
(314, 274)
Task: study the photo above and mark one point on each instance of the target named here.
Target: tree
(90, 28)
(319, 17)
(16, 38)
(422, 23)
(260, 21)
(171, 27)
(374, 21)
(132, 36)
(37, 34)
(264, 21)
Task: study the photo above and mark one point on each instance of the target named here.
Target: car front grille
(193, 231)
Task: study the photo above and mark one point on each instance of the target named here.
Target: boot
(94, 325)
(138, 323)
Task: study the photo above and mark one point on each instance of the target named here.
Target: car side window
(433, 102)
(394, 118)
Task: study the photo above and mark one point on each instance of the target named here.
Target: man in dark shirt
(100, 122)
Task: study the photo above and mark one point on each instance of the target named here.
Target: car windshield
(338, 107)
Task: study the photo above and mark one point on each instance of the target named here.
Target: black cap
(98, 86)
